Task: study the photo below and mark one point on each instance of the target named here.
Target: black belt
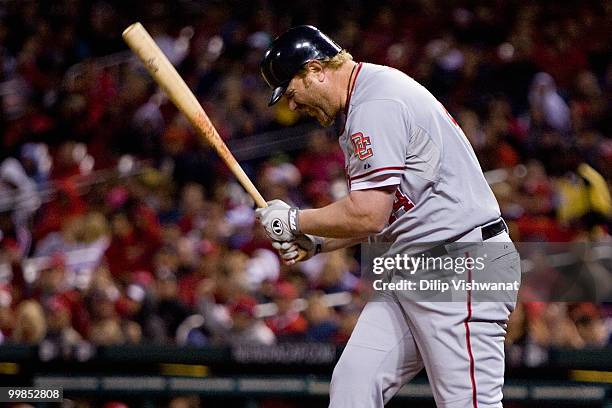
(488, 231)
(494, 229)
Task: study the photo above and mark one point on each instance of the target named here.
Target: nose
(292, 105)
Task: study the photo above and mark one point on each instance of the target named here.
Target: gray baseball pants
(459, 343)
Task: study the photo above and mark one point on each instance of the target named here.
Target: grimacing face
(306, 94)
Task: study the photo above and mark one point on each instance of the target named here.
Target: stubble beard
(319, 112)
(327, 123)
(323, 117)
(325, 120)
(320, 115)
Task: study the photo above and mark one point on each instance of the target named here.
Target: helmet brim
(277, 94)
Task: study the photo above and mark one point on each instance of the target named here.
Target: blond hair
(334, 62)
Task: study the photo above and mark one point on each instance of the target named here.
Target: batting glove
(280, 220)
(304, 247)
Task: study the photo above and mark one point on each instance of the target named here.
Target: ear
(316, 68)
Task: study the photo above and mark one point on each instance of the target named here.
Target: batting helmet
(288, 53)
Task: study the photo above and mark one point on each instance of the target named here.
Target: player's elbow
(381, 224)
(368, 222)
(376, 224)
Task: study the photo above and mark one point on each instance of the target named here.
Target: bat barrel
(164, 73)
(126, 32)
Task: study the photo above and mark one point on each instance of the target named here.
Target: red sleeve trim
(376, 171)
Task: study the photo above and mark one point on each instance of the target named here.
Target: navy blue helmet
(289, 52)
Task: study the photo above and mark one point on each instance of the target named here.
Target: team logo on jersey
(361, 145)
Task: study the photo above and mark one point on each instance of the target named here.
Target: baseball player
(413, 177)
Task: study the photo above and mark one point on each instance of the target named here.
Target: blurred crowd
(119, 226)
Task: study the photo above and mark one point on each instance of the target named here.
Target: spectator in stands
(52, 278)
(53, 282)
(6, 314)
(336, 275)
(18, 192)
(279, 180)
(59, 319)
(36, 162)
(590, 325)
(322, 324)
(208, 258)
(102, 296)
(246, 328)
(82, 241)
(548, 108)
(62, 241)
(288, 324)
(169, 308)
(548, 325)
(584, 196)
(67, 203)
(138, 306)
(319, 165)
(182, 241)
(193, 211)
(132, 243)
(262, 266)
(30, 323)
(105, 324)
(232, 280)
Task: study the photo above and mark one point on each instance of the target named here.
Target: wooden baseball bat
(179, 93)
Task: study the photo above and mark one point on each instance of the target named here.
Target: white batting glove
(280, 220)
(304, 247)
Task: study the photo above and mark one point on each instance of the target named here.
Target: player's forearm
(332, 223)
(357, 215)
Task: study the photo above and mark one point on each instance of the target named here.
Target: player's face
(306, 95)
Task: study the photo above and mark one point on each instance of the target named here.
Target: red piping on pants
(467, 339)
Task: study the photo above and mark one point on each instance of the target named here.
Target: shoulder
(383, 87)
(383, 81)
(386, 109)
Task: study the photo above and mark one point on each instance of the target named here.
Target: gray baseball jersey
(397, 133)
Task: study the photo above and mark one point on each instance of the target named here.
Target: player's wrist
(293, 216)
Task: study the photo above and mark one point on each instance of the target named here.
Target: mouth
(314, 112)
(308, 110)
(317, 113)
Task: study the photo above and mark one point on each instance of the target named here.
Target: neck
(344, 76)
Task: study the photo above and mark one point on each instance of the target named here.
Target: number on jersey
(401, 205)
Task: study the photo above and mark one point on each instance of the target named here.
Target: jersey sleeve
(378, 137)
